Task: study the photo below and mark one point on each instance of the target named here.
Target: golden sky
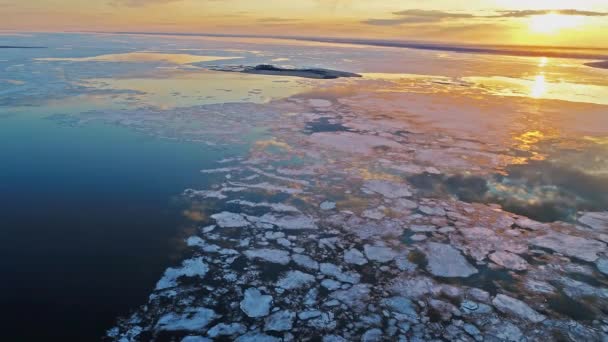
(537, 22)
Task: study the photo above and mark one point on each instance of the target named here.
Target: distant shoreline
(504, 50)
(21, 47)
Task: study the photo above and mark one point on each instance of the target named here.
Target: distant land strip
(21, 47)
(506, 50)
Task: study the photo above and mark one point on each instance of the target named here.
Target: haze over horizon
(545, 23)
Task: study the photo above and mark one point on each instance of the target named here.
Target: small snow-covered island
(268, 69)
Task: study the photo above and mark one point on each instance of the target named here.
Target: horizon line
(464, 47)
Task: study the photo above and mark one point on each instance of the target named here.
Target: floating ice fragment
(354, 256)
(356, 297)
(595, 220)
(445, 261)
(403, 306)
(280, 207)
(193, 338)
(573, 246)
(305, 261)
(352, 142)
(276, 256)
(327, 205)
(509, 260)
(273, 176)
(190, 320)
(336, 272)
(372, 335)
(319, 103)
(602, 265)
(295, 280)
(331, 284)
(257, 337)
(224, 329)
(268, 187)
(190, 268)
(387, 189)
(255, 304)
(379, 253)
(280, 321)
(287, 222)
(304, 315)
(230, 220)
(516, 307)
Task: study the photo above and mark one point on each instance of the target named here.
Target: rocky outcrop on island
(267, 69)
(601, 65)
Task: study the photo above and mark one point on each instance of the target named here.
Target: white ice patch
(279, 207)
(286, 179)
(255, 304)
(295, 280)
(286, 222)
(230, 220)
(387, 189)
(190, 268)
(268, 187)
(271, 255)
(190, 320)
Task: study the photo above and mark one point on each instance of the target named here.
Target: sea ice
(354, 256)
(379, 253)
(190, 268)
(387, 189)
(295, 280)
(509, 260)
(276, 256)
(445, 261)
(255, 304)
(280, 321)
(336, 272)
(230, 220)
(190, 320)
(573, 246)
(516, 307)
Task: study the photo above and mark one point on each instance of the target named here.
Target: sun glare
(553, 22)
(539, 87)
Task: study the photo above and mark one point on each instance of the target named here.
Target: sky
(529, 22)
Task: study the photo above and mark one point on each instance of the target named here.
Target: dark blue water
(87, 219)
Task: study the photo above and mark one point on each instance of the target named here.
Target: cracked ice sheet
(344, 270)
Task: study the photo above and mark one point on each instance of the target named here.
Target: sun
(552, 23)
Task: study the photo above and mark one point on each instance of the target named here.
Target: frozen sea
(442, 195)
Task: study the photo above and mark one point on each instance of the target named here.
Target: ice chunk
(517, 308)
(336, 272)
(230, 220)
(445, 261)
(295, 280)
(257, 337)
(573, 246)
(327, 205)
(387, 189)
(255, 304)
(280, 321)
(509, 260)
(190, 268)
(189, 320)
(354, 256)
(224, 329)
(305, 261)
(276, 256)
(379, 253)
